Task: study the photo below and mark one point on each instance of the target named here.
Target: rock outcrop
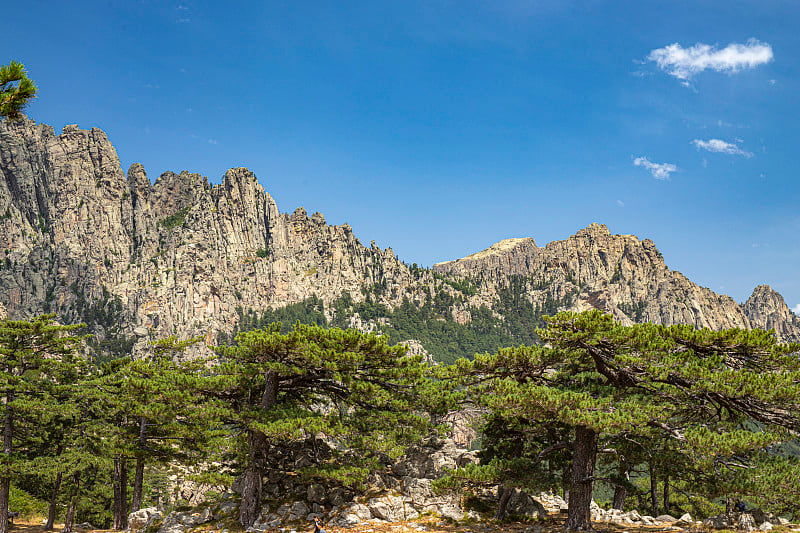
(181, 256)
(766, 309)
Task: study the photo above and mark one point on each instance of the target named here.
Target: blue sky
(440, 127)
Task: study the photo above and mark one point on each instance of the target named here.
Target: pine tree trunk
(584, 456)
(138, 478)
(5, 481)
(620, 495)
(120, 492)
(621, 490)
(138, 483)
(249, 508)
(51, 509)
(653, 491)
(5, 485)
(666, 494)
(69, 520)
(505, 495)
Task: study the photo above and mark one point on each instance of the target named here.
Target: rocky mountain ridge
(138, 260)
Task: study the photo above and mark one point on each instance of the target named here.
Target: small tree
(16, 89)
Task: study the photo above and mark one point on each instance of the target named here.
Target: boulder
(142, 518)
(392, 508)
(665, 518)
(720, 521)
(761, 516)
(765, 526)
(452, 512)
(552, 503)
(299, 510)
(227, 508)
(172, 524)
(193, 519)
(523, 504)
(746, 522)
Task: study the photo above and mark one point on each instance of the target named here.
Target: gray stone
(523, 504)
(339, 496)
(720, 521)
(143, 517)
(227, 507)
(299, 509)
(746, 522)
(452, 512)
(172, 524)
(552, 503)
(315, 493)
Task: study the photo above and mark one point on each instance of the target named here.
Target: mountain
(137, 260)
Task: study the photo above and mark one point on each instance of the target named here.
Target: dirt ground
(554, 524)
(426, 525)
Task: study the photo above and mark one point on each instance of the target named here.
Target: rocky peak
(505, 258)
(766, 309)
(594, 229)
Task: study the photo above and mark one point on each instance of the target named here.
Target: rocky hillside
(138, 260)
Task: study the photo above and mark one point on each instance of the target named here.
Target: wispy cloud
(796, 309)
(721, 147)
(660, 171)
(683, 63)
(620, 203)
(213, 141)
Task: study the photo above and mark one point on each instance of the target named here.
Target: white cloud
(213, 141)
(660, 171)
(683, 63)
(721, 147)
(620, 203)
(796, 309)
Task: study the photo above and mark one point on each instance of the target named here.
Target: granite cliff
(138, 260)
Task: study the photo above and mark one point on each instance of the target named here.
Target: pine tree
(719, 396)
(341, 384)
(16, 89)
(149, 405)
(32, 355)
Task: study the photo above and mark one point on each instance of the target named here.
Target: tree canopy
(349, 388)
(16, 89)
(721, 400)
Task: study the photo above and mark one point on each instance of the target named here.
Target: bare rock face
(139, 261)
(617, 273)
(767, 309)
(144, 261)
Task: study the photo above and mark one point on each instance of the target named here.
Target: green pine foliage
(513, 321)
(281, 388)
(694, 402)
(16, 90)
